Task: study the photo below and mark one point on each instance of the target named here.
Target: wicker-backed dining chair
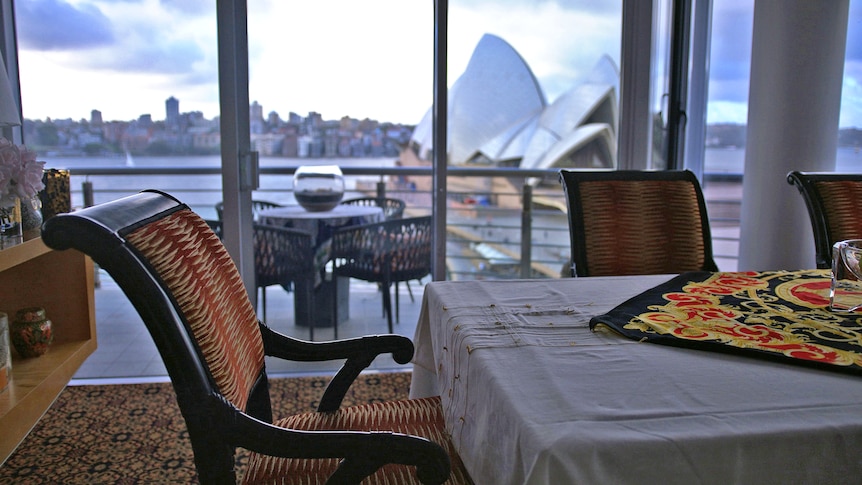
(628, 222)
(286, 256)
(834, 202)
(184, 284)
(384, 252)
(392, 208)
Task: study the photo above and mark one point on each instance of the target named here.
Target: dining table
(532, 395)
(321, 225)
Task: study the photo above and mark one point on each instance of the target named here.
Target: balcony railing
(498, 226)
(495, 229)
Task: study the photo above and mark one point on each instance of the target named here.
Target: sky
(369, 59)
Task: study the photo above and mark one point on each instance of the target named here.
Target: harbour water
(731, 160)
(203, 191)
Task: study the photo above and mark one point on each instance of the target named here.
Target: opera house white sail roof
(497, 114)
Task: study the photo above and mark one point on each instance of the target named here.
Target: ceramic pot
(31, 332)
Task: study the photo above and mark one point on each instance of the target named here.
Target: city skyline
(366, 59)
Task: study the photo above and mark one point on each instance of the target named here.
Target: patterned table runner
(779, 315)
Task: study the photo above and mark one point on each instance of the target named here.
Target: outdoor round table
(321, 225)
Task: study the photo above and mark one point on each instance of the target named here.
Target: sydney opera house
(499, 117)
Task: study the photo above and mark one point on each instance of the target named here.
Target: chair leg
(410, 291)
(263, 301)
(334, 306)
(397, 306)
(382, 305)
(387, 304)
(309, 300)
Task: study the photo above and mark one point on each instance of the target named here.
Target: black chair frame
(215, 426)
(806, 183)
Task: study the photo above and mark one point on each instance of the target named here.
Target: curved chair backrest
(256, 206)
(282, 255)
(385, 252)
(392, 208)
(834, 202)
(396, 250)
(187, 290)
(637, 222)
(185, 286)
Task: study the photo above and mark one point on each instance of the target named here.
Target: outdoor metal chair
(392, 208)
(185, 286)
(285, 256)
(385, 253)
(834, 202)
(625, 222)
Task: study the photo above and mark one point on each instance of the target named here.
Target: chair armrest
(362, 452)
(359, 352)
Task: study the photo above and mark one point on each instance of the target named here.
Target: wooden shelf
(31, 274)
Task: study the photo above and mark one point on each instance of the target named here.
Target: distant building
(498, 115)
(95, 117)
(255, 113)
(172, 112)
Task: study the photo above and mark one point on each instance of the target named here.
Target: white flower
(20, 173)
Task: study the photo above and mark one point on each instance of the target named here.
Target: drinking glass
(845, 293)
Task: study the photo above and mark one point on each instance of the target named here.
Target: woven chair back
(626, 223)
(834, 203)
(392, 208)
(281, 255)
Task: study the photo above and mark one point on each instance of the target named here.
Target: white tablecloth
(531, 395)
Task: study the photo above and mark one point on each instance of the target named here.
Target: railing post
(87, 189)
(527, 232)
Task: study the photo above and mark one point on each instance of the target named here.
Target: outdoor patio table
(321, 225)
(532, 395)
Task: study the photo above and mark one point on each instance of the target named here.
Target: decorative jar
(31, 332)
(318, 188)
(31, 217)
(11, 232)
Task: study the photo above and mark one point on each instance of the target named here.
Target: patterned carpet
(134, 433)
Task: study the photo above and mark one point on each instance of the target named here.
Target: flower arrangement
(20, 173)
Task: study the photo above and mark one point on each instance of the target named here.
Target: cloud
(364, 59)
(189, 6)
(730, 55)
(57, 25)
(854, 32)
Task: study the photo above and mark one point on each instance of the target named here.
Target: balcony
(491, 234)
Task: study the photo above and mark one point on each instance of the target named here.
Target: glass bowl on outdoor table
(318, 188)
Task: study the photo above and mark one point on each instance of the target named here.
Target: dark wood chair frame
(216, 427)
(824, 236)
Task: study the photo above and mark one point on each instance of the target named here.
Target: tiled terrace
(126, 352)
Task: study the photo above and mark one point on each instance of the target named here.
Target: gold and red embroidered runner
(780, 315)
